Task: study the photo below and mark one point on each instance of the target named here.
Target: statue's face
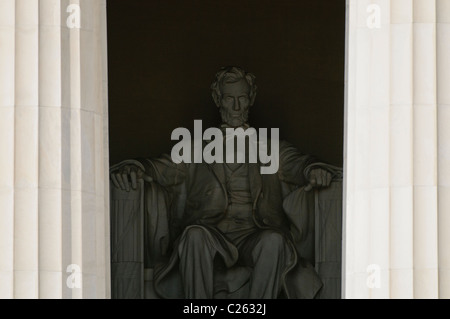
(235, 103)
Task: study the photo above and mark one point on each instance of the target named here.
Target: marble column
(54, 205)
(397, 171)
(443, 117)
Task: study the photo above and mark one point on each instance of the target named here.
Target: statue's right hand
(126, 174)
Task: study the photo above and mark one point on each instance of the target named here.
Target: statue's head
(234, 91)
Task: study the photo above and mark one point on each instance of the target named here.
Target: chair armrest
(127, 238)
(328, 238)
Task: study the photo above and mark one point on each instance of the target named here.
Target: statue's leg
(196, 253)
(269, 253)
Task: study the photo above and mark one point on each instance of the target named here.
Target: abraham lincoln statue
(233, 230)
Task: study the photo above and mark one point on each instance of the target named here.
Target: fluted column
(54, 213)
(443, 118)
(396, 232)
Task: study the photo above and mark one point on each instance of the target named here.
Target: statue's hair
(232, 74)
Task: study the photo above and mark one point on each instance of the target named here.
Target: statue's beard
(234, 121)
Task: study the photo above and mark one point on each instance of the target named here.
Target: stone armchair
(140, 238)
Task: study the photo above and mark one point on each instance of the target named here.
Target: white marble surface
(397, 150)
(53, 125)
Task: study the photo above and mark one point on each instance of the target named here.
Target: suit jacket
(199, 197)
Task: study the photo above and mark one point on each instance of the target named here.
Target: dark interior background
(163, 55)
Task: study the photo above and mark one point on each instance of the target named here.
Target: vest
(238, 221)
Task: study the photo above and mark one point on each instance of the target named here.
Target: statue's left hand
(318, 178)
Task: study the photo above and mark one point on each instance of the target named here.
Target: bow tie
(224, 126)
